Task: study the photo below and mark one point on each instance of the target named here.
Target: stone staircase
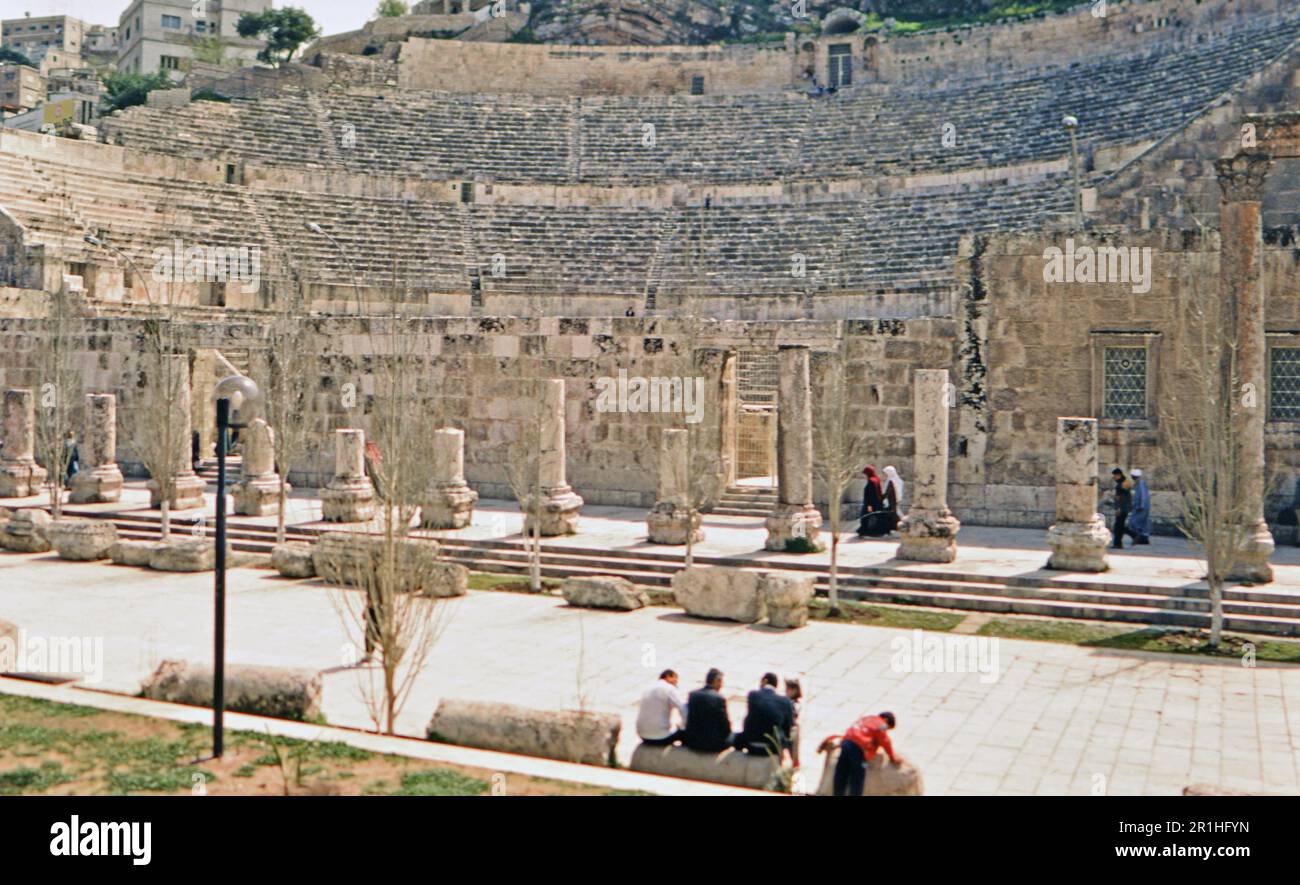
(746, 501)
(1259, 610)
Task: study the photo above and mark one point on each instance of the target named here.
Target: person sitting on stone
(769, 720)
(708, 727)
(654, 720)
(873, 522)
(859, 746)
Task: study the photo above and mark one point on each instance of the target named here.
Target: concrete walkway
(1036, 717)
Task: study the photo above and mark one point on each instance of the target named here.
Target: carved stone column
(670, 520)
(1079, 536)
(559, 505)
(795, 523)
(349, 496)
(450, 504)
(20, 476)
(929, 531)
(1241, 181)
(258, 491)
(99, 481)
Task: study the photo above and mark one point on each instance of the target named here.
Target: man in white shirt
(654, 721)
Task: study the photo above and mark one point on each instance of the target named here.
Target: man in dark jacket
(769, 721)
(708, 727)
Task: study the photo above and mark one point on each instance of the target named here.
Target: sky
(333, 16)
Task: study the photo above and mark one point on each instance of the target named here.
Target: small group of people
(880, 503)
(771, 727)
(1132, 500)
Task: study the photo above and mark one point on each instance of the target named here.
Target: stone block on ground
(569, 735)
(130, 552)
(189, 555)
(352, 559)
(883, 777)
(604, 591)
(731, 594)
(27, 531)
(787, 597)
(280, 692)
(731, 767)
(293, 560)
(83, 539)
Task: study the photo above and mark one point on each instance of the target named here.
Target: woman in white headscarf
(893, 494)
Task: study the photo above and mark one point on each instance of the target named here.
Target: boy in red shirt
(858, 746)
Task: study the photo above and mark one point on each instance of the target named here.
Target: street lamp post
(1071, 124)
(338, 247)
(237, 399)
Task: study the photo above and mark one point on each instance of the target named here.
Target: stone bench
(731, 767)
(736, 594)
(883, 778)
(279, 692)
(568, 735)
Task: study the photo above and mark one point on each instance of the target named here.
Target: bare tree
(401, 610)
(1202, 430)
(841, 443)
(59, 389)
(291, 371)
(524, 473)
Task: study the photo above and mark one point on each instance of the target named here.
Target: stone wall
(455, 66)
(1039, 344)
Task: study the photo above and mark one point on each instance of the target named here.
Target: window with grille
(1124, 380)
(1284, 384)
(697, 85)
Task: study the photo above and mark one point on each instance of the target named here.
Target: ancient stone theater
(987, 228)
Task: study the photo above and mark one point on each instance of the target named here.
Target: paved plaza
(1057, 718)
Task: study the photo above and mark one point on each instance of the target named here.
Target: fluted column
(20, 476)
(929, 531)
(349, 496)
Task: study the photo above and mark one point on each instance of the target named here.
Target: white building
(161, 35)
(35, 37)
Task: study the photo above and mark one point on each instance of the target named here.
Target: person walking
(1123, 505)
(71, 458)
(871, 523)
(1139, 519)
(893, 496)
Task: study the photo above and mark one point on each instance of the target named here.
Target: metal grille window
(1124, 379)
(1284, 384)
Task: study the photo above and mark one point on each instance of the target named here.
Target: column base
(259, 495)
(187, 492)
(928, 536)
(793, 528)
(1253, 561)
(348, 500)
(560, 509)
(1079, 546)
(449, 506)
(669, 523)
(21, 479)
(102, 485)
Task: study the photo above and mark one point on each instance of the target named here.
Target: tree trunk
(279, 519)
(833, 590)
(166, 519)
(1216, 613)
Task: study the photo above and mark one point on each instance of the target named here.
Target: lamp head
(1069, 121)
(245, 398)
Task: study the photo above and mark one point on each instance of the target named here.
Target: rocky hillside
(659, 22)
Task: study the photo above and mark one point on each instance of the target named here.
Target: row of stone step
(1246, 609)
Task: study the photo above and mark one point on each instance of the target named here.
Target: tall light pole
(338, 247)
(237, 399)
(104, 244)
(1071, 124)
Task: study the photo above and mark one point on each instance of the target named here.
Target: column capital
(1242, 178)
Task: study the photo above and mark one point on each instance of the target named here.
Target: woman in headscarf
(871, 524)
(893, 495)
